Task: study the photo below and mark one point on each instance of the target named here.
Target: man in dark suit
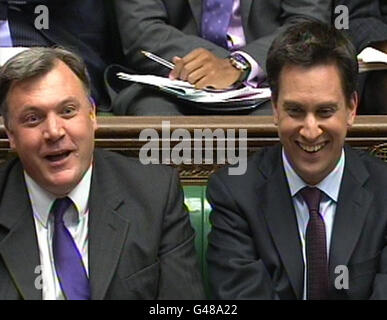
(368, 28)
(79, 223)
(308, 219)
(176, 31)
(86, 27)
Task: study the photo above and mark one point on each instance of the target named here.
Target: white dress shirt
(330, 186)
(76, 220)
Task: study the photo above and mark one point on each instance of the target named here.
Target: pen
(162, 61)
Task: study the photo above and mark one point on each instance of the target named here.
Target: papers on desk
(187, 91)
(7, 53)
(371, 59)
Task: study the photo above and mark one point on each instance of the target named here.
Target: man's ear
(10, 137)
(352, 108)
(93, 112)
(274, 105)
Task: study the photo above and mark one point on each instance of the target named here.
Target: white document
(7, 53)
(371, 59)
(187, 91)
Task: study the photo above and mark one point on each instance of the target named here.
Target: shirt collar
(330, 185)
(42, 200)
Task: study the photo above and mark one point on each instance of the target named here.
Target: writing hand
(204, 69)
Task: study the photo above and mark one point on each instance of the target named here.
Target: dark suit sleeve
(367, 22)
(291, 12)
(235, 268)
(177, 254)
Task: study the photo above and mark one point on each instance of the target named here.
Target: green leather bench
(199, 211)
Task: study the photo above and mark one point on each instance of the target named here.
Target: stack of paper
(187, 91)
(371, 59)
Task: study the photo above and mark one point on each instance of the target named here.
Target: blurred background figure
(225, 31)
(86, 27)
(368, 28)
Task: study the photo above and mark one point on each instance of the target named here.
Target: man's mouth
(58, 156)
(312, 149)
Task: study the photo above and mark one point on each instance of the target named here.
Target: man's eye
(69, 111)
(326, 113)
(293, 112)
(31, 119)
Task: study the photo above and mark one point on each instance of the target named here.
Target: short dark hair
(36, 62)
(312, 43)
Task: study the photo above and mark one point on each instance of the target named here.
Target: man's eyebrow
(69, 100)
(58, 105)
(328, 105)
(290, 103)
(30, 108)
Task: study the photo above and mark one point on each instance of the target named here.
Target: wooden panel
(122, 134)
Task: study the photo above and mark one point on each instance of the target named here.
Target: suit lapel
(196, 8)
(19, 244)
(107, 229)
(276, 203)
(352, 208)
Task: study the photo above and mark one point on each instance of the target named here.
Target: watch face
(239, 62)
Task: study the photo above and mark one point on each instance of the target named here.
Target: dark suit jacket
(87, 27)
(171, 28)
(254, 246)
(367, 21)
(140, 238)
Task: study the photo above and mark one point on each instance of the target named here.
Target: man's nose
(53, 129)
(311, 128)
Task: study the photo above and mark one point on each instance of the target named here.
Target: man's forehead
(60, 72)
(295, 68)
(303, 78)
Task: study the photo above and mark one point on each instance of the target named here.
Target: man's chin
(312, 176)
(60, 184)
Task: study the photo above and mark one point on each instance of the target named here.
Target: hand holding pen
(201, 68)
(158, 59)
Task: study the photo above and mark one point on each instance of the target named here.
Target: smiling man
(308, 220)
(78, 223)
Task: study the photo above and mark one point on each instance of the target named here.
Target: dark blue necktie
(69, 267)
(216, 16)
(316, 247)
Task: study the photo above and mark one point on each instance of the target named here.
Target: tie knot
(59, 208)
(312, 197)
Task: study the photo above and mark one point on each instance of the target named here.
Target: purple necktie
(215, 20)
(68, 261)
(316, 247)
